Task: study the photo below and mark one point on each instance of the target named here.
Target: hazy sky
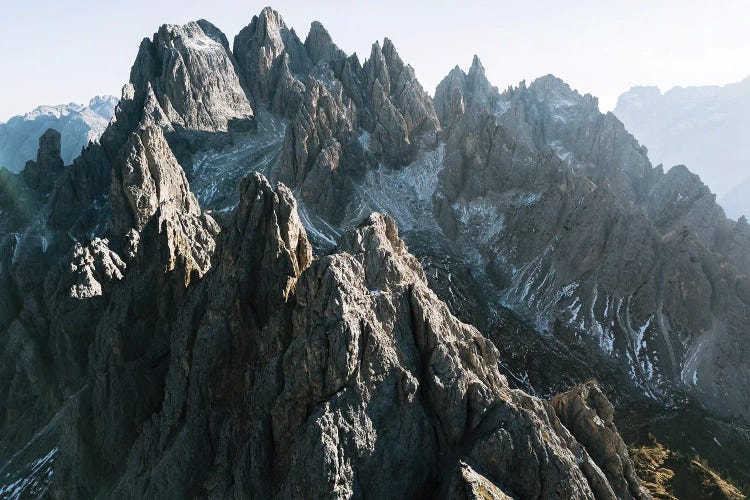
(60, 51)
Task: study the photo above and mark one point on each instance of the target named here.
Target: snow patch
(321, 230)
(364, 140)
(202, 44)
(640, 343)
(34, 480)
(16, 248)
(501, 108)
(689, 373)
(564, 154)
(483, 217)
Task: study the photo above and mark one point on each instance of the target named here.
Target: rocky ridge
(324, 355)
(594, 237)
(165, 346)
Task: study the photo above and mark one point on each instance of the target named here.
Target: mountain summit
(285, 272)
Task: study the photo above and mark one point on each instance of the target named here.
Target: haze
(55, 52)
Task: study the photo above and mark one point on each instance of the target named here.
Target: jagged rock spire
(260, 48)
(320, 46)
(257, 374)
(42, 174)
(459, 91)
(402, 113)
(149, 187)
(48, 155)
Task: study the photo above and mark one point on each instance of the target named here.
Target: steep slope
(701, 127)
(170, 334)
(77, 123)
(215, 382)
(643, 263)
(322, 358)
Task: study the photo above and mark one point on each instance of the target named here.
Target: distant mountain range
(704, 128)
(78, 124)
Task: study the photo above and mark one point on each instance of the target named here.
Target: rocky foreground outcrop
(344, 375)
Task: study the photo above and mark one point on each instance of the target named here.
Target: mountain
(735, 201)
(701, 127)
(286, 272)
(79, 124)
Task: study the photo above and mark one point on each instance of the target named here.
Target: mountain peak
(214, 33)
(270, 18)
(319, 32)
(476, 66)
(375, 49)
(49, 149)
(259, 49)
(99, 100)
(550, 81)
(320, 46)
(387, 51)
(556, 92)
(197, 337)
(459, 91)
(476, 78)
(192, 74)
(40, 175)
(391, 54)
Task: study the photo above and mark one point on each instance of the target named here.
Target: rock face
(148, 184)
(78, 125)
(42, 174)
(190, 72)
(268, 53)
(702, 127)
(177, 322)
(185, 83)
(299, 383)
(587, 235)
(589, 416)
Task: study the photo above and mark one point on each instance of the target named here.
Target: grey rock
(299, 387)
(261, 49)
(320, 46)
(587, 413)
(199, 358)
(42, 174)
(402, 113)
(91, 265)
(589, 235)
(183, 81)
(192, 75)
(469, 484)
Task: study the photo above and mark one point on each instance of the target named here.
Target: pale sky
(54, 52)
